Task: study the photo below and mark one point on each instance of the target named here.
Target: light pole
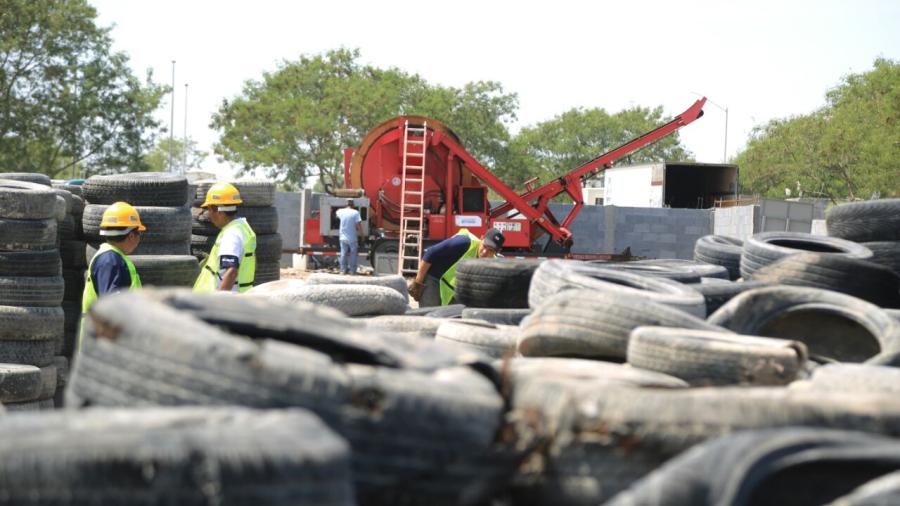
(184, 143)
(172, 124)
(725, 109)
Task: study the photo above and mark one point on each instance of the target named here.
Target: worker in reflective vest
(111, 270)
(231, 264)
(435, 282)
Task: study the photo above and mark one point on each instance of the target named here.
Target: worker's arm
(423, 271)
(359, 229)
(228, 279)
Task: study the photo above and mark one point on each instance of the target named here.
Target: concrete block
(667, 238)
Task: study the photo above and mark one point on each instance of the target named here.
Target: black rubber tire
(30, 263)
(77, 207)
(768, 247)
(394, 282)
(266, 272)
(28, 350)
(500, 316)
(256, 193)
(164, 248)
(420, 326)
(48, 382)
(72, 254)
(138, 189)
(494, 282)
(166, 270)
(488, 338)
(31, 323)
(74, 189)
(448, 311)
(882, 491)
(35, 235)
(868, 221)
(268, 247)
(586, 323)
(720, 250)
(201, 245)
(861, 378)
(186, 456)
(417, 438)
(886, 253)
(74, 280)
(27, 201)
(717, 294)
(66, 229)
(830, 324)
(28, 177)
(61, 209)
(44, 291)
(19, 383)
(263, 220)
(164, 224)
(556, 275)
(860, 278)
(776, 466)
(352, 300)
(682, 271)
(704, 358)
(522, 370)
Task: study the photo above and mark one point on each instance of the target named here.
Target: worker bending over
(111, 270)
(231, 264)
(435, 282)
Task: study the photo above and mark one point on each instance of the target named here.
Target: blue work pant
(349, 256)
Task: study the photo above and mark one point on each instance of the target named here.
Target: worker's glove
(415, 289)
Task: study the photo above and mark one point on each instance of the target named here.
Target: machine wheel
(384, 255)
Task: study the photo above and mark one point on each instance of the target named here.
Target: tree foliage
(176, 152)
(850, 148)
(555, 147)
(295, 122)
(66, 99)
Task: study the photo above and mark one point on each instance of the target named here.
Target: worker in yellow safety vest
(435, 282)
(231, 264)
(111, 270)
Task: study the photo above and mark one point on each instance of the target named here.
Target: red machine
(424, 187)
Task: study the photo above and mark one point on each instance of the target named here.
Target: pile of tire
(74, 262)
(259, 209)
(31, 292)
(163, 256)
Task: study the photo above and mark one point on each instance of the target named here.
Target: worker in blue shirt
(351, 230)
(435, 282)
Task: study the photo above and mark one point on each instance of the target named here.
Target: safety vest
(209, 280)
(90, 291)
(448, 279)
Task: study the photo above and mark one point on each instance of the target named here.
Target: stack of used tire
(31, 292)
(74, 263)
(163, 256)
(259, 209)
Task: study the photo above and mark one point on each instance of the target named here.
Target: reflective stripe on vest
(209, 279)
(448, 279)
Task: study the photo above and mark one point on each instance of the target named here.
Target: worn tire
(352, 300)
(717, 294)
(886, 253)
(860, 278)
(868, 221)
(164, 224)
(704, 358)
(494, 282)
(492, 315)
(72, 254)
(27, 201)
(882, 491)
(166, 270)
(44, 291)
(557, 275)
(74, 280)
(720, 250)
(74, 189)
(20, 383)
(164, 248)
(420, 326)
(263, 220)
(255, 193)
(862, 378)
(36, 235)
(490, 339)
(28, 177)
(66, 228)
(28, 350)
(138, 189)
(585, 323)
(394, 282)
(198, 456)
(683, 271)
(31, 323)
(268, 247)
(448, 311)
(830, 324)
(266, 272)
(768, 247)
(30, 263)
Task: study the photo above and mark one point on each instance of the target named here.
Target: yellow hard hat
(119, 219)
(222, 195)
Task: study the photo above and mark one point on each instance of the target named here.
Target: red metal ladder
(412, 198)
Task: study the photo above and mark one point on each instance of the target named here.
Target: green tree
(168, 152)
(295, 121)
(555, 147)
(66, 100)
(849, 148)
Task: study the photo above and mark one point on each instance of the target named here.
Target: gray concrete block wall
(739, 222)
(289, 205)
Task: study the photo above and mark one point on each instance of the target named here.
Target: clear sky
(761, 59)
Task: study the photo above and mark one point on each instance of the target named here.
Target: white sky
(762, 59)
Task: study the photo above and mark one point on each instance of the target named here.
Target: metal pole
(184, 144)
(172, 123)
(725, 156)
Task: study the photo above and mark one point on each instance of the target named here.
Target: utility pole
(184, 143)
(172, 123)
